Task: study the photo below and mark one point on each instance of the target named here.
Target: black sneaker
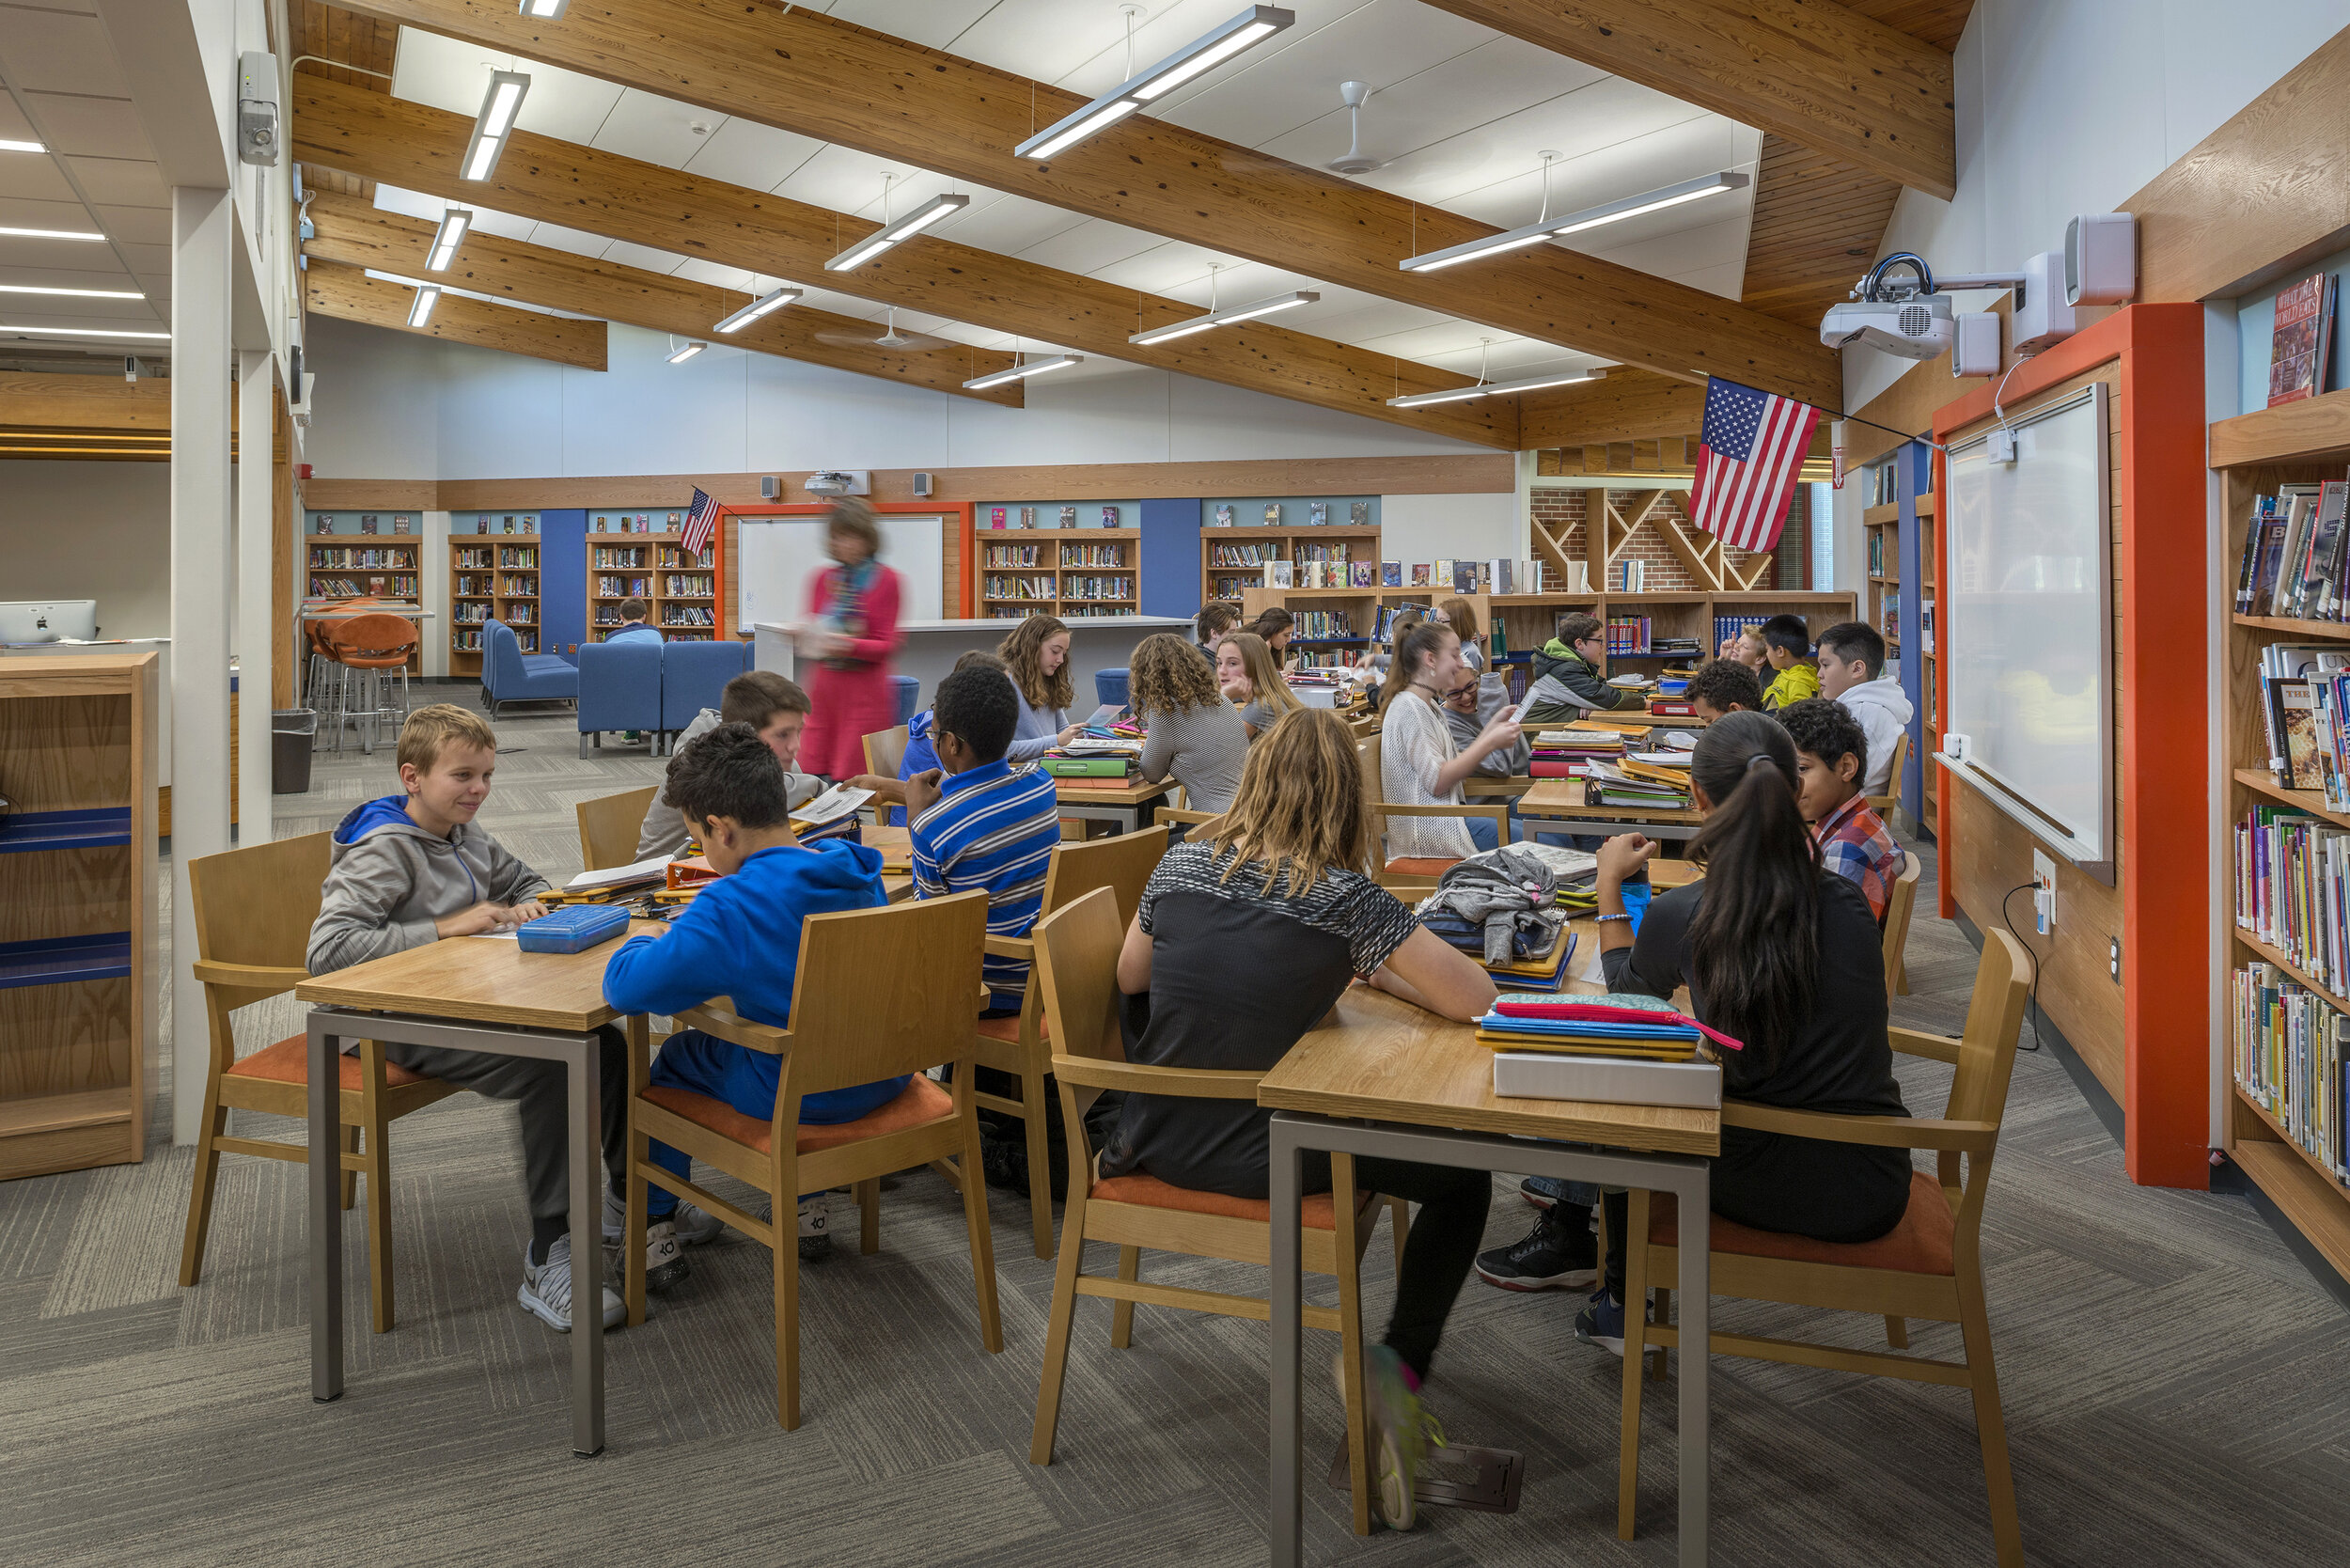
(1553, 1257)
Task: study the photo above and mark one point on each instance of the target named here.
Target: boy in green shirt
(1788, 641)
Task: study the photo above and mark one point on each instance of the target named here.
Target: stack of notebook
(1620, 1049)
(1563, 753)
(1643, 786)
(1098, 756)
(1547, 973)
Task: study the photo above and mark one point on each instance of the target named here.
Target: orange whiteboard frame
(959, 513)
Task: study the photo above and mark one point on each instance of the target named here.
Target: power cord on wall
(2032, 1002)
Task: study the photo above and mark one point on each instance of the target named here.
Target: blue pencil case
(571, 929)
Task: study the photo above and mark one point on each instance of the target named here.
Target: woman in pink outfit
(848, 640)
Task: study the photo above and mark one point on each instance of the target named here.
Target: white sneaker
(665, 1264)
(546, 1290)
(816, 1228)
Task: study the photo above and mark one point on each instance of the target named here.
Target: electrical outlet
(2044, 897)
(2113, 958)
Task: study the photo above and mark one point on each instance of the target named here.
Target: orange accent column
(2163, 598)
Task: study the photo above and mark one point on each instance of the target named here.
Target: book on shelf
(2286, 1046)
(1280, 574)
(1391, 574)
(2304, 742)
(2298, 346)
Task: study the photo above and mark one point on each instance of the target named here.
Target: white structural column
(256, 638)
(202, 229)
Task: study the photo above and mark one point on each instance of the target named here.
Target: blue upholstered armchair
(693, 674)
(619, 687)
(512, 675)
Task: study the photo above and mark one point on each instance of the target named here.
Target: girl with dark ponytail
(1778, 954)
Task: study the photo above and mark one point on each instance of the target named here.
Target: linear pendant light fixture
(454, 223)
(490, 127)
(1573, 223)
(1202, 54)
(756, 308)
(1215, 317)
(1496, 388)
(680, 355)
(420, 310)
(891, 234)
(1021, 371)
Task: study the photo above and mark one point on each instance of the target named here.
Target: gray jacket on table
(663, 832)
(1504, 891)
(389, 880)
(1492, 700)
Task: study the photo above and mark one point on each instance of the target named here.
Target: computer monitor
(47, 620)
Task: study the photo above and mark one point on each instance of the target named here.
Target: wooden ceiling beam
(418, 147)
(358, 234)
(1812, 71)
(1627, 406)
(78, 402)
(804, 72)
(350, 294)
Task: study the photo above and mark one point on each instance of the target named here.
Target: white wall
(1479, 527)
(394, 405)
(90, 530)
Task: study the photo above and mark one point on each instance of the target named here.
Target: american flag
(701, 521)
(1750, 449)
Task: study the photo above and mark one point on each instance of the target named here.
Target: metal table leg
(1288, 1329)
(327, 1211)
(587, 1094)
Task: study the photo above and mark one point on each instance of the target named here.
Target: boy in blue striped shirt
(979, 822)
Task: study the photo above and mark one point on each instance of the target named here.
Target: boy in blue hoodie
(414, 868)
(741, 938)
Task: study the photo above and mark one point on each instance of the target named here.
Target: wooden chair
(1930, 1266)
(1899, 905)
(253, 907)
(1121, 863)
(1884, 805)
(876, 993)
(1181, 812)
(1077, 970)
(1418, 874)
(609, 827)
(885, 750)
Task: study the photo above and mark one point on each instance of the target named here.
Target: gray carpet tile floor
(2174, 1382)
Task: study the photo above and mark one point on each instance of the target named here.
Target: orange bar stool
(368, 649)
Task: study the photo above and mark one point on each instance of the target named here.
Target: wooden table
(1387, 1079)
(1561, 799)
(468, 994)
(1127, 809)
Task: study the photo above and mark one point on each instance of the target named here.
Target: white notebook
(1606, 1080)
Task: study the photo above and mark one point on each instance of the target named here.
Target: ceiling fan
(1354, 160)
(890, 338)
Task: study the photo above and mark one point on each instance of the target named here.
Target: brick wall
(1665, 572)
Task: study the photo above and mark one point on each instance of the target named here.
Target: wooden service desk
(1383, 1078)
(468, 994)
(1126, 809)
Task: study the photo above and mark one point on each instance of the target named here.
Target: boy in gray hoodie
(414, 868)
(1852, 665)
(774, 707)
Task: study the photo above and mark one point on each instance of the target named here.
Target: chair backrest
(885, 750)
(1892, 796)
(908, 692)
(1121, 863)
(693, 676)
(255, 905)
(1995, 1017)
(609, 825)
(372, 636)
(502, 654)
(1900, 904)
(620, 685)
(1077, 967)
(1374, 796)
(883, 992)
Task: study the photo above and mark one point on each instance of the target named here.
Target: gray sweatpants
(540, 1089)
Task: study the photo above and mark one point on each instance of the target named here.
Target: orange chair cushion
(922, 1103)
(1920, 1244)
(289, 1062)
(1007, 1029)
(1149, 1191)
(1419, 865)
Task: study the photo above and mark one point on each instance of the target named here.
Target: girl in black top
(1784, 956)
(1246, 936)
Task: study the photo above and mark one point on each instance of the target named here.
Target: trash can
(290, 732)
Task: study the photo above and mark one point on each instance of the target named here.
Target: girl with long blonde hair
(1245, 671)
(1036, 653)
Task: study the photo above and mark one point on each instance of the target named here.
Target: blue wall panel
(563, 581)
(1171, 558)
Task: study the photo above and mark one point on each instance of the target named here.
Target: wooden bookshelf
(77, 901)
(472, 599)
(649, 566)
(344, 561)
(1075, 573)
(2253, 454)
(1230, 581)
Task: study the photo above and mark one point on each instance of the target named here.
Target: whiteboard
(2026, 648)
(778, 554)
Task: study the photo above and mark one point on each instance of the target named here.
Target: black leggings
(1438, 1254)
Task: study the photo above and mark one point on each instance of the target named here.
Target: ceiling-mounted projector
(1921, 327)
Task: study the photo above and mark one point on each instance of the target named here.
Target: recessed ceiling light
(72, 293)
(420, 311)
(679, 356)
(454, 223)
(1202, 54)
(1573, 223)
(48, 234)
(88, 332)
(7, 146)
(1021, 371)
(756, 308)
(1498, 389)
(490, 127)
(904, 228)
(545, 10)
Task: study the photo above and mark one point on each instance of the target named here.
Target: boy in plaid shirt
(1831, 752)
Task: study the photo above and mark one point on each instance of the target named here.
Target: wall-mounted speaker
(923, 485)
(770, 488)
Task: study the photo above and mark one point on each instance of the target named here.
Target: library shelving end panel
(2139, 1025)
